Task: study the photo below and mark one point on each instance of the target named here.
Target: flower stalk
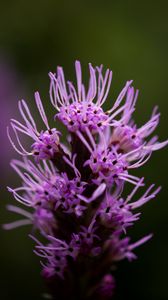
(74, 190)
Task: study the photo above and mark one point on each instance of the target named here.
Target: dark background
(130, 37)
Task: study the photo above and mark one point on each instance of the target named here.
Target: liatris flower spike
(73, 191)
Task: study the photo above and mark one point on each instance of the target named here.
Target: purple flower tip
(75, 191)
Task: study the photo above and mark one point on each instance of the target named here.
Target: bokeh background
(131, 37)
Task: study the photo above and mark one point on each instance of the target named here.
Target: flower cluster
(75, 191)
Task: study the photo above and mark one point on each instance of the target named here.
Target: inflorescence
(74, 191)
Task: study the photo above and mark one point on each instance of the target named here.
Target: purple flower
(76, 191)
(44, 220)
(46, 142)
(107, 286)
(47, 145)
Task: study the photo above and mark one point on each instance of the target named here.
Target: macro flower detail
(46, 142)
(74, 190)
(47, 145)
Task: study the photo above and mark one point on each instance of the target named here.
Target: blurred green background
(130, 37)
